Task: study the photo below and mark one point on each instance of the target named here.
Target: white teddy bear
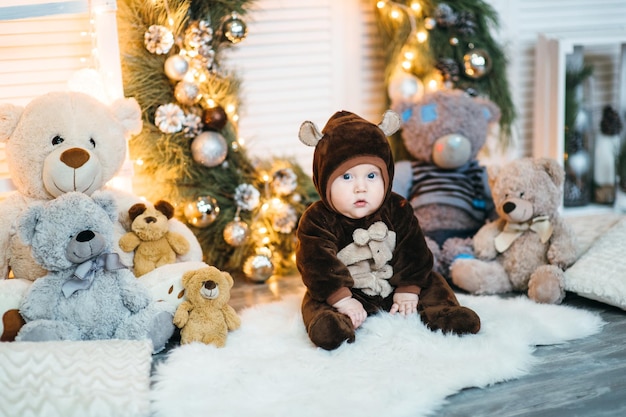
(62, 142)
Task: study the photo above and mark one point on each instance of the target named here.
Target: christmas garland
(243, 213)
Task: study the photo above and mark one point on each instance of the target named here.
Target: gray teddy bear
(88, 293)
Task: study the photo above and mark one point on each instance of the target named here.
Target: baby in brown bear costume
(360, 248)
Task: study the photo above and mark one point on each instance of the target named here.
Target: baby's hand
(353, 309)
(404, 303)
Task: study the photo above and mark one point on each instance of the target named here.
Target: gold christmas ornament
(476, 63)
(235, 29)
(236, 232)
(202, 212)
(258, 268)
(187, 93)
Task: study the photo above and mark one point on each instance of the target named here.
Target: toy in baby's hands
(443, 132)
(150, 238)
(530, 245)
(205, 315)
(87, 294)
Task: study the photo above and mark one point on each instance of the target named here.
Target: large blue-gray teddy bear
(87, 294)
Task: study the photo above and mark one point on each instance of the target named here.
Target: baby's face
(358, 192)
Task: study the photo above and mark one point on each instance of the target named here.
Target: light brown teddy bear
(530, 245)
(154, 244)
(205, 315)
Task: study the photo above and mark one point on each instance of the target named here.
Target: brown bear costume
(348, 140)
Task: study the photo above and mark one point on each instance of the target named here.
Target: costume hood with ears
(348, 140)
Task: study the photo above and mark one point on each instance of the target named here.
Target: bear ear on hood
(391, 123)
(309, 134)
(9, 117)
(128, 113)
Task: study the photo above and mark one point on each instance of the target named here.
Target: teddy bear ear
(105, 200)
(391, 123)
(309, 134)
(27, 222)
(9, 117)
(554, 170)
(229, 278)
(491, 111)
(165, 207)
(128, 112)
(492, 173)
(136, 210)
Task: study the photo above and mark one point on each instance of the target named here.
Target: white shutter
(44, 43)
(304, 60)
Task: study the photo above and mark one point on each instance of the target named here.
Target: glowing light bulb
(421, 36)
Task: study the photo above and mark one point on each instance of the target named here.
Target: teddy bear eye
(93, 142)
(57, 139)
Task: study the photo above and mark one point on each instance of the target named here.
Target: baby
(360, 247)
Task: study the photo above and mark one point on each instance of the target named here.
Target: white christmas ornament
(209, 149)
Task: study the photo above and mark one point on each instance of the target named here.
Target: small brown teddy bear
(154, 244)
(205, 315)
(530, 244)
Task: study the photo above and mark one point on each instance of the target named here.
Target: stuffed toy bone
(88, 294)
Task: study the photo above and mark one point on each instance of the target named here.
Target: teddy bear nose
(75, 157)
(508, 207)
(151, 219)
(85, 236)
(209, 285)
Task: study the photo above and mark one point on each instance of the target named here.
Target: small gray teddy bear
(88, 293)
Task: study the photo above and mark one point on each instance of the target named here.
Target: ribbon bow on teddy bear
(511, 231)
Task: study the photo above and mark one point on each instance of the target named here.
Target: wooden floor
(584, 377)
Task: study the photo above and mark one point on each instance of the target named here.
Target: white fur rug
(396, 367)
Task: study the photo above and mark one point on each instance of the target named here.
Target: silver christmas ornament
(176, 67)
(476, 63)
(236, 232)
(209, 149)
(235, 29)
(258, 267)
(202, 212)
(187, 93)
